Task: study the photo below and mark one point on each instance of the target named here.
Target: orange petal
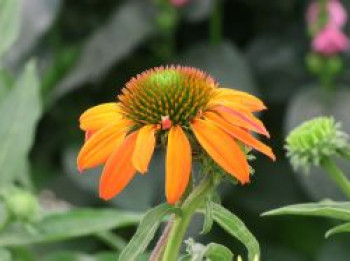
(243, 136)
(144, 148)
(100, 145)
(241, 118)
(99, 116)
(222, 148)
(178, 164)
(119, 169)
(238, 98)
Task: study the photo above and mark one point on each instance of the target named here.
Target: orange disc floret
(184, 103)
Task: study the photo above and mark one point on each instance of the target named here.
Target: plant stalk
(216, 23)
(179, 228)
(157, 251)
(336, 175)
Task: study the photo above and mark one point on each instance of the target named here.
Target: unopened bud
(22, 205)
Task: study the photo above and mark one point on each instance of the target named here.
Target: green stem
(179, 228)
(336, 175)
(326, 81)
(158, 250)
(216, 23)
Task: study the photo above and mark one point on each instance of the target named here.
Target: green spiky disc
(177, 92)
(313, 140)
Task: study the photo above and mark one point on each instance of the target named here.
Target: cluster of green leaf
(24, 221)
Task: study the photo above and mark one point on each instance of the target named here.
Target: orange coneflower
(178, 102)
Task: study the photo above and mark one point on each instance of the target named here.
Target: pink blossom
(330, 41)
(337, 15)
(179, 3)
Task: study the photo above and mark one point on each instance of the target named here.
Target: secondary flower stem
(216, 23)
(337, 175)
(179, 228)
(157, 252)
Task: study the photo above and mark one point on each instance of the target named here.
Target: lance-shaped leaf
(70, 224)
(36, 17)
(19, 113)
(76, 256)
(337, 210)
(10, 16)
(212, 252)
(344, 228)
(216, 252)
(236, 228)
(145, 232)
(130, 24)
(6, 83)
(208, 217)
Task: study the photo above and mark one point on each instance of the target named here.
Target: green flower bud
(314, 140)
(314, 62)
(22, 205)
(334, 65)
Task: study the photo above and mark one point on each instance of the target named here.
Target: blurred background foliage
(85, 50)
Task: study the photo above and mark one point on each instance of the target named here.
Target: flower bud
(314, 62)
(334, 65)
(22, 205)
(315, 139)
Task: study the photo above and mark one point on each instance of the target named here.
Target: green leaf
(19, 113)
(145, 232)
(37, 17)
(236, 228)
(23, 254)
(70, 224)
(217, 252)
(212, 252)
(208, 217)
(63, 61)
(6, 83)
(4, 215)
(344, 228)
(338, 210)
(5, 255)
(76, 256)
(111, 43)
(10, 15)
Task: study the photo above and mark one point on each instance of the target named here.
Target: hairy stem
(179, 228)
(216, 23)
(157, 251)
(336, 175)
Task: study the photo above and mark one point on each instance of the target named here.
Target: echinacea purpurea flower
(179, 102)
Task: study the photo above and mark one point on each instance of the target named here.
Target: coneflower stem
(336, 175)
(179, 228)
(157, 251)
(216, 23)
